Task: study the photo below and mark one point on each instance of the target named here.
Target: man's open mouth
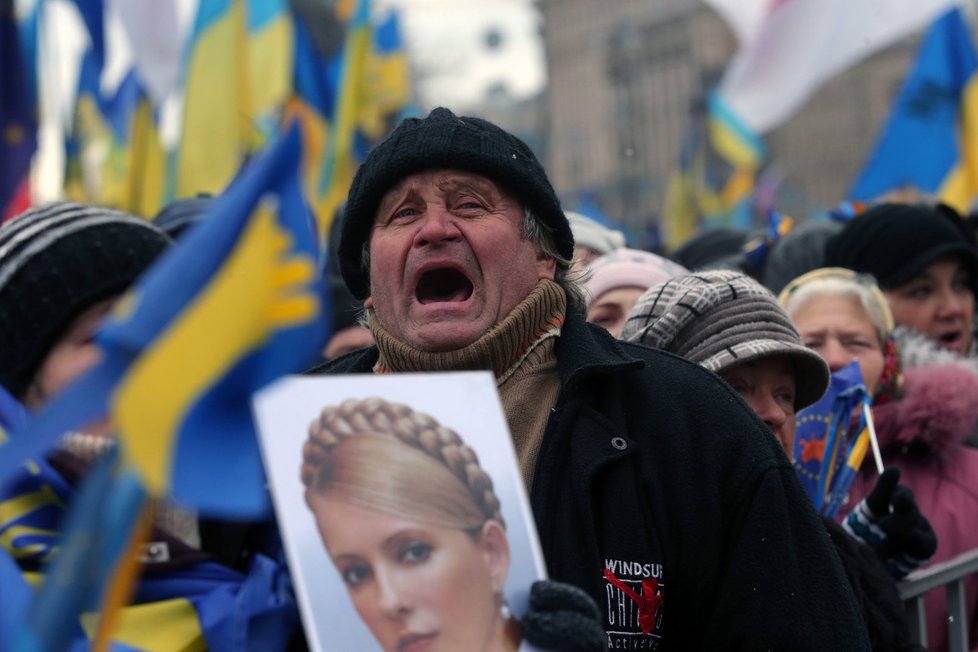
(443, 285)
(950, 338)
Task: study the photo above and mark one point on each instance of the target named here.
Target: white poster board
(466, 402)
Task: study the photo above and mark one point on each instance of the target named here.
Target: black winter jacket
(660, 493)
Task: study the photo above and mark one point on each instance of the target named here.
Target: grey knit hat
(722, 318)
(444, 140)
(56, 262)
(593, 235)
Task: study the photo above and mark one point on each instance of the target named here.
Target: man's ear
(546, 266)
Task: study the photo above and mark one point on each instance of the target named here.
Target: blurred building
(627, 77)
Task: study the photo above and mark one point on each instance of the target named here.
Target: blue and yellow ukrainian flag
(756, 250)
(337, 172)
(825, 456)
(88, 597)
(236, 305)
(92, 539)
(931, 140)
(269, 42)
(216, 133)
(386, 92)
(315, 84)
(113, 152)
(744, 151)
(346, 99)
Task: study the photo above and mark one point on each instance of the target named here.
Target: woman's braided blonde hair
(359, 420)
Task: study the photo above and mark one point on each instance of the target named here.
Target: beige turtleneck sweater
(519, 351)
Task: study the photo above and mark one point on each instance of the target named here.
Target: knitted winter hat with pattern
(56, 262)
(722, 318)
(444, 141)
(897, 242)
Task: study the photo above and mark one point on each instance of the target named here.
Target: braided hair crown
(375, 416)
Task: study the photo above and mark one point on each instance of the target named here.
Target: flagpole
(121, 588)
(868, 414)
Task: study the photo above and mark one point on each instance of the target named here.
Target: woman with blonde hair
(922, 415)
(734, 326)
(413, 526)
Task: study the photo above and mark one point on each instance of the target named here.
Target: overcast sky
(463, 49)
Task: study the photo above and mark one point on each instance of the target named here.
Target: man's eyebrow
(393, 197)
(476, 185)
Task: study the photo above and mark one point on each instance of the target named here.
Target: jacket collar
(584, 350)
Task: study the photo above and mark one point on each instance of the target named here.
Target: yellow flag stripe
(960, 186)
(224, 322)
(165, 626)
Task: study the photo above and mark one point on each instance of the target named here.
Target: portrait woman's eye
(355, 574)
(414, 552)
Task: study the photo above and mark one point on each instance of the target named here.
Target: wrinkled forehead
(442, 181)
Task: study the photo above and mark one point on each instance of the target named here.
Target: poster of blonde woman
(403, 512)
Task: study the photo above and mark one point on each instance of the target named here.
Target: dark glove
(563, 617)
(889, 521)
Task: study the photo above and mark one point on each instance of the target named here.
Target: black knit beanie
(897, 242)
(716, 248)
(56, 262)
(444, 140)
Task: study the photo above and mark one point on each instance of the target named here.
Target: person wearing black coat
(653, 486)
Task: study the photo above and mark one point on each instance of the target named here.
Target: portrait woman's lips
(416, 642)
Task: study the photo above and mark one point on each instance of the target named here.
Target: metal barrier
(949, 574)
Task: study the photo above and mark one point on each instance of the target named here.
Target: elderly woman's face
(768, 386)
(938, 303)
(417, 586)
(837, 328)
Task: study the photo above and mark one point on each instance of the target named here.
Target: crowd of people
(652, 401)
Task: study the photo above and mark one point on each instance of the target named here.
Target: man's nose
(437, 225)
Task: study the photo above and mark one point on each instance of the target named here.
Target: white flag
(802, 43)
(745, 17)
(157, 31)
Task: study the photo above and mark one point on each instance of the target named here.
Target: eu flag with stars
(822, 441)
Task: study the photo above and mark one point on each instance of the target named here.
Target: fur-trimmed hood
(939, 404)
